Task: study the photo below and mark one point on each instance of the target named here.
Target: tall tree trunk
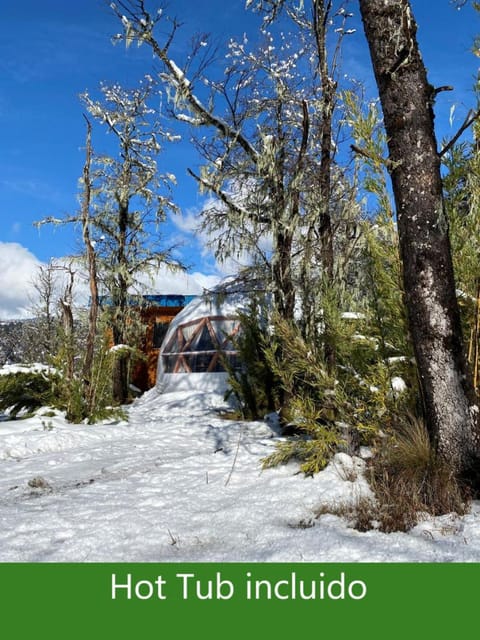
(284, 290)
(120, 377)
(407, 100)
(321, 15)
(88, 390)
(284, 214)
(68, 338)
(120, 298)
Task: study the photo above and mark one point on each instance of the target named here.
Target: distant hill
(19, 341)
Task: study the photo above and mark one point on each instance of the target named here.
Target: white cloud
(188, 224)
(167, 282)
(206, 281)
(18, 267)
(177, 282)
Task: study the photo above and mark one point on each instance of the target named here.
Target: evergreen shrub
(26, 391)
(251, 379)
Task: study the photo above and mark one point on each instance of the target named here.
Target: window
(199, 345)
(160, 329)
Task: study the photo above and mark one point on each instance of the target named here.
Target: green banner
(218, 600)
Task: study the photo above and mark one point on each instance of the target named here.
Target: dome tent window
(201, 345)
(199, 340)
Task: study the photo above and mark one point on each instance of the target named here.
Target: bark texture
(407, 100)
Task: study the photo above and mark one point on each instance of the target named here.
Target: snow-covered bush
(28, 390)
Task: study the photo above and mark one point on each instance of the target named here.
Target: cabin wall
(156, 320)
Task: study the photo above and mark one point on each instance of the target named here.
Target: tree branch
(142, 29)
(370, 156)
(222, 196)
(467, 123)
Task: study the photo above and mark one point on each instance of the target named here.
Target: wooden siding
(144, 374)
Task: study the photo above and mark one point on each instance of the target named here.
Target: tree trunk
(120, 379)
(68, 327)
(88, 390)
(321, 13)
(407, 100)
(284, 290)
(120, 297)
(120, 372)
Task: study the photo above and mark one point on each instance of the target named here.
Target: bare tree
(44, 309)
(123, 203)
(407, 99)
(68, 342)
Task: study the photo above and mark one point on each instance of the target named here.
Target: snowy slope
(179, 483)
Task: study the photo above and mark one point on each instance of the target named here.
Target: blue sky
(52, 50)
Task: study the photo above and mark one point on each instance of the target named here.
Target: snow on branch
(210, 186)
(140, 25)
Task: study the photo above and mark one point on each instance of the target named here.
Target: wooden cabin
(157, 311)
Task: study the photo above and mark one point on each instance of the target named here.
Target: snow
(119, 347)
(36, 367)
(179, 482)
(178, 73)
(353, 315)
(196, 122)
(398, 384)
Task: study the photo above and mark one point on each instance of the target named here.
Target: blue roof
(168, 300)
(153, 300)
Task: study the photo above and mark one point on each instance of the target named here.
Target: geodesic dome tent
(197, 342)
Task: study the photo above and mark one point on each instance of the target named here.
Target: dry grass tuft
(408, 480)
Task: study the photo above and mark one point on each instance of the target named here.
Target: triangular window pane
(175, 343)
(203, 341)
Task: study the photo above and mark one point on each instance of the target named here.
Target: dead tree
(88, 391)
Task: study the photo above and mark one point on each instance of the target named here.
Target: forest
(356, 227)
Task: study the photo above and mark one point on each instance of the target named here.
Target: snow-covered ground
(178, 483)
